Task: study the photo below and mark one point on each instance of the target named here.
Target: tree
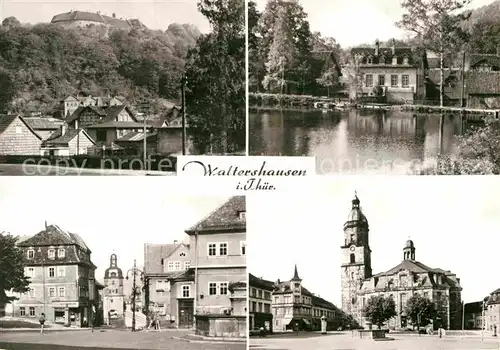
(216, 81)
(281, 53)
(256, 65)
(354, 78)
(420, 310)
(7, 89)
(478, 153)
(485, 37)
(379, 309)
(438, 25)
(329, 79)
(286, 42)
(11, 22)
(12, 263)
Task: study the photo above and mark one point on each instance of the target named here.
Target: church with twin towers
(408, 277)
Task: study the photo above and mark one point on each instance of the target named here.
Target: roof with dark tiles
(40, 123)
(261, 283)
(225, 218)
(153, 255)
(58, 139)
(77, 251)
(483, 83)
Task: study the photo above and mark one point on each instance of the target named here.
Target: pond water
(356, 141)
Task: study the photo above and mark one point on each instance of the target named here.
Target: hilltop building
(85, 18)
(407, 278)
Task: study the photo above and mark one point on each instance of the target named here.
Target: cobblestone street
(107, 340)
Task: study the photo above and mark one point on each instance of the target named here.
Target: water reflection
(356, 141)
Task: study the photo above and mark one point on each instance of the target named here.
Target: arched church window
(353, 300)
(352, 237)
(352, 258)
(113, 274)
(352, 275)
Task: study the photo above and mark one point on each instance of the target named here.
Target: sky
(454, 223)
(354, 22)
(155, 14)
(111, 214)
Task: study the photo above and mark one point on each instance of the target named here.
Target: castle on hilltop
(83, 18)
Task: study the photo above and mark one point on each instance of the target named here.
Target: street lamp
(43, 282)
(135, 271)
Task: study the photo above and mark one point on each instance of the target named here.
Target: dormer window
(51, 253)
(394, 60)
(31, 254)
(405, 60)
(369, 60)
(61, 252)
(242, 215)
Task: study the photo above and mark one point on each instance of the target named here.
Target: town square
(332, 293)
(179, 286)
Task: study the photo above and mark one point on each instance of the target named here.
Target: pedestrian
(42, 322)
(158, 326)
(440, 332)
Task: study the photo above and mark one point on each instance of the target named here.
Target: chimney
(63, 128)
(175, 242)
(377, 47)
(114, 15)
(393, 46)
(46, 224)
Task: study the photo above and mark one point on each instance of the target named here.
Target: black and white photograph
(407, 87)
(119, 87)
(376, 263)
(172, 275)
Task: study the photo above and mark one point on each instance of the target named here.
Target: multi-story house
(71, 103)
(294, 306)
(398, 73)
(61, 271)
(492, 312)
(169, 290)
(218, 248)
(259, 301)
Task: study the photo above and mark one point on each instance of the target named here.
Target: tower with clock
(114, 295)
(356, 259)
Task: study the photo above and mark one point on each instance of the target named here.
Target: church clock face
(353, 248)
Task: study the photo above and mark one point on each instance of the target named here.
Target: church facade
(407, 278)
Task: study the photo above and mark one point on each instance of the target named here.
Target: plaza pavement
(109, 340)
(50, 170)
(344, 341)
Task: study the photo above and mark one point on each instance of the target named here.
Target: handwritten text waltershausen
(234, 170)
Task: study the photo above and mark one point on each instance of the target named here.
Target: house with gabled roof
(44, 126)
(398, 71)
(169, 291)
(218, 250)
(17, 137)
(67, 142)
(259, 302)
(62, 278)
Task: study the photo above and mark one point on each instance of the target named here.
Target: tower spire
(296, 274)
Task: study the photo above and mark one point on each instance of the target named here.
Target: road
(46, 170)
(346, 342)
(108, 340)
